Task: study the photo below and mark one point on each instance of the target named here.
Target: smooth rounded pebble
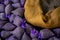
(18, 32)
(16, 5)
(28, 28)
(2, 16)
(5, 34)
(18, 11)
(15, 1)
(8, 9)
(12, 17)
(57, 31)
(35, 39)
(6, 2)
(25, 37)
(2, 7)
(2, 23)
(45, 33)
(17, 21)
(54, 38)
(11, 38)
(8, 26)
(34, 33)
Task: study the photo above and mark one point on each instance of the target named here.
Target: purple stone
(17, 21)
(2, 16)
(18, 32)
(6, 2)
(18, 11)
(16, 5)
(54, 38)
(11, 38)
(15, 1)
(34, 33)
(28, 28)
(8, 26)
(2, 8)
(8, 9)
(57, 32)
(35, 39)
(23, 24)
(11, 18)
(25, 37)
(5, 34)
(45, 33)
(22, 2)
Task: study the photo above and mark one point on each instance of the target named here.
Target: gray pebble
(8, 9)
(6, 2)
(18, 11)
(11, 18)
(18, 32)
(28, 28)
(17, 21)
(35, 39)
(25, 37)
(54, 38)
(15, 1)
(2, 16)
(8, 26)
(11, 38)
(5, 34)
(22, 2)
(2, 8)
(16, 5)
(46, 33)
(2, 23)
(57, 31)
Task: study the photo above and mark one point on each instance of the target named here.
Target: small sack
(34, 13)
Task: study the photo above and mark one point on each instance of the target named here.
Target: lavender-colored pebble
(11, 18)
(8, 9)
(28, 28)
(34, 33)
(11, 38)
(15, 1)
(2, 7)
(45, 33)
(57, 32)
(17, 21)
(25, 37)
(8, 26)
(2, 16)
(54, 38)
(18, 32)
(6, 2)
(16, 5)
(18, 11)
(35, 39)
(5, 34)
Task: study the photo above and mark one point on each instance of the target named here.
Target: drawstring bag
(43, 13)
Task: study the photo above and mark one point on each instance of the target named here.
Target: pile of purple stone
(13, 25)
